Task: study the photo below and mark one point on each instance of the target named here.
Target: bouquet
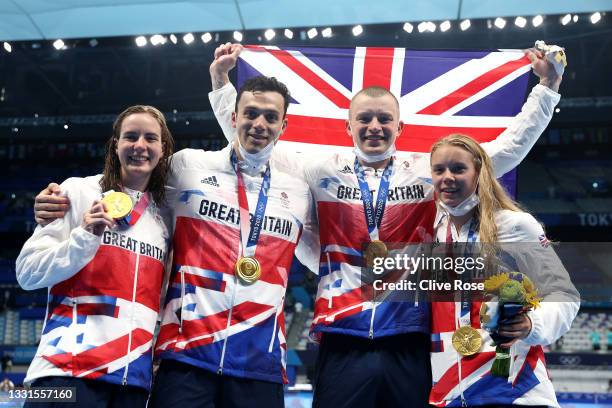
(507, 295)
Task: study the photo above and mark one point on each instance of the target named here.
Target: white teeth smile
(141, 159)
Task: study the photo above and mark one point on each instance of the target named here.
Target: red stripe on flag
(98, 309)
(377, 67)
(61, 310)
(419, 138)
(207, 326)
(414, 138)
(312, 78)
(214, 323)
(346, 300)
(450, 379)
(535, 353)
(345, 258)
(473, 87)
(324, 131)
(205, 282)
(100, 355)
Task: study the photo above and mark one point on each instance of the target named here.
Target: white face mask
(373, 158)
(254, 161)
(464, 207)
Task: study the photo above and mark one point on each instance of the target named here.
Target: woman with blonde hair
(103, 266)
(475, 211)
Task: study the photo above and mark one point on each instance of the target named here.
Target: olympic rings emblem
(570, 360)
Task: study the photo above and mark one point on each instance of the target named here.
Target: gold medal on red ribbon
(118, 205)
(375, 249)
(467, 341)
(248, 270)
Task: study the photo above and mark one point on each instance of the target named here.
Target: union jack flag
(440, 92)
(477, 93)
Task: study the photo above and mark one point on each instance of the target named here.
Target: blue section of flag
(325, 182)
(437, 345)
(502, 102)
(491, 389)
(186, 195)
(339, 67)
(325, 268)
(54, 342)
(56, 321)
(245, 71)
(421, 67)
(335, 284)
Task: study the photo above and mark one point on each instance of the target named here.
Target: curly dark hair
(265, 84)
(111, 178)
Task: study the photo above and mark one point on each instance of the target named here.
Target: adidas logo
(212, 180)
(347, 170)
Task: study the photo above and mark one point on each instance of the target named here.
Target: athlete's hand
(97, 219)
(517, 328)
(226, 56)
(543, 69)
(50, 205)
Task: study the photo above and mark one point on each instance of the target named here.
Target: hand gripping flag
(476, 93)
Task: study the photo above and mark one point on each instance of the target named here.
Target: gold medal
(375, 249)
(248, 269)
(467, 341)
(118, 204)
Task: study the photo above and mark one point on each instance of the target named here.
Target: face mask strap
(374, 158)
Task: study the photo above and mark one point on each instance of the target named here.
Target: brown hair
(111, 178)
(374, 92)
(492, 195)
(265, 84)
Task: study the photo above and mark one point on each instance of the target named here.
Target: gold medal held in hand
(375, 249)
(467, 341)
(248, 270)
(118, 204)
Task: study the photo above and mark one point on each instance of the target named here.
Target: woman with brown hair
(103, 266)
(474, 210)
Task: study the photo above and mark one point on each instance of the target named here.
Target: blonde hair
(492, 195)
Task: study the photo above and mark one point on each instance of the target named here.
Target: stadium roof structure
(44, 19)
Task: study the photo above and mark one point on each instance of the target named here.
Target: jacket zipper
(127, 365)
(227, 327)
(371, 333)
(74, 320)
(274, 326)
(331, 292)
(182, 299)
(459, 373)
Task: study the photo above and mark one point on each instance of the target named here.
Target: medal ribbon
(373, 216)
(249, 239)
(137, 211)
(463, 305)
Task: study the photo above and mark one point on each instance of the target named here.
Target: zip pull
(180, 330)
(371, 334)
(463, 402)
(220, 371)
(124, 382)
